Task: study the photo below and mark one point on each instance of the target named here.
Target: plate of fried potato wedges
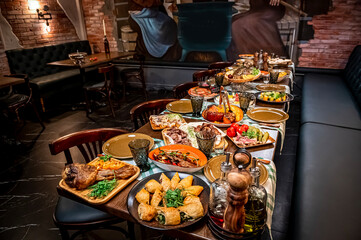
(169, 200)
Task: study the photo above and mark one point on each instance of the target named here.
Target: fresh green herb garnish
(174, 198)
(255, 71)
(105, 157)
(102, 188)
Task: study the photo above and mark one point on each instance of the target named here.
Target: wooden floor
(29, 174)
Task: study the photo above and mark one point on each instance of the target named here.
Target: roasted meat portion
(79, 176)
(176, 158)
(121, 173)
(207, 130)
(178, 136)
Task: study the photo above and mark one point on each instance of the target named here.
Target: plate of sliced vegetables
(246, 136)
(274, 97)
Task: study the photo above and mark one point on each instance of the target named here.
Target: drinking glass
(252, 101)
(274, 76)
(266, 79)
(140, 149)
(219, 148)
(219, 79)
(244, 101)
(206, 142)
(197, 103)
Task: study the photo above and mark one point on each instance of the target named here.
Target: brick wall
(94, 13)
(336, 34)
(30, 31)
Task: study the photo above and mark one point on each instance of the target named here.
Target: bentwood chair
(181, 90)
(12, 101)
(104, 87)
(203, 75)
(71, 215)
(134, 73)
(219, 66)
(142, 111)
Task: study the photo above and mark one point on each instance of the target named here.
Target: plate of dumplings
(169, 200)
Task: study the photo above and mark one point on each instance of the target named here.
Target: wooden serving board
(122, 183)
(154, 127)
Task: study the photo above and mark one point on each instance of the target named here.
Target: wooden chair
(135, 73)
(105, 87)
(203, 75)
(181, 90)
(143, 110)
(71, 215)
(13, 100)
(219, 66)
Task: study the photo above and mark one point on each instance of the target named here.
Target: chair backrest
(219, 66)
(89, 142)
(181, 90)
(108, 72)
(143, 110)
(203, 75)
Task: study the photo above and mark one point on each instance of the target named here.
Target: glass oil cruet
(256, 213)
(218, 195)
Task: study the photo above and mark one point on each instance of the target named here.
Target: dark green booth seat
(48, 81)
(326, 196)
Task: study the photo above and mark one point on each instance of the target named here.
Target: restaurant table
(199, 231)
(10, 81)
(101, 58)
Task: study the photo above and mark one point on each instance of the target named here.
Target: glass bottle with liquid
(218, 196)
(255, 208)
(260, 60)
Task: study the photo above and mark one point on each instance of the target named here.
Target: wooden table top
(101, 58)
(10, 81)
(199, 231)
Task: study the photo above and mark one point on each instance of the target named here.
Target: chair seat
(14, 100)
(92, 85)
(70, 212)
(130, 71)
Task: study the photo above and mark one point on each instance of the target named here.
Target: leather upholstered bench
(48, 81)
(326, 195)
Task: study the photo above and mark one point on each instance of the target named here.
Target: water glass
(244, 101)
(206, 142)
(266, 79)
(140, 149)
(274, 76)
(252, 101)
(219, 148)
(197, 103)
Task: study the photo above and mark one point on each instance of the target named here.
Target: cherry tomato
(231, 132)
(235, 126)
(243, 128)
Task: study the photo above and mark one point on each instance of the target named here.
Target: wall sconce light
(44, 16)
(33, 4)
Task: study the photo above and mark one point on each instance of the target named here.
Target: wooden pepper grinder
(265, 61)
(237, 196)
(255, 59)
